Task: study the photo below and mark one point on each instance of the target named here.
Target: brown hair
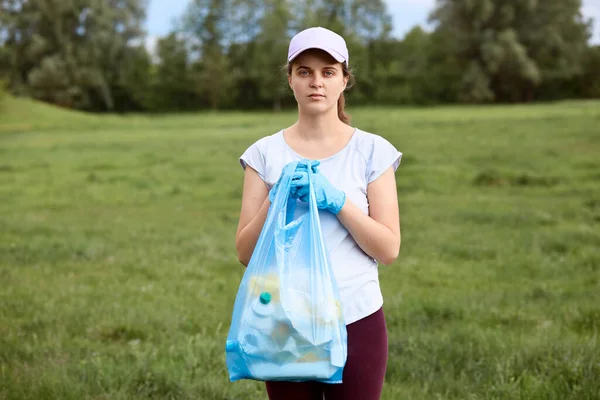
(341, 104)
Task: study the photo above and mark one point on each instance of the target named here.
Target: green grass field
(119, 270)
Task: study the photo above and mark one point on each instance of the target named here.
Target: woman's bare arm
(377, 234)
(255, 206)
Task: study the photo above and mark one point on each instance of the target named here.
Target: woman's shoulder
(378, 152)
(258, 151)
(368, 142)
(267, 141)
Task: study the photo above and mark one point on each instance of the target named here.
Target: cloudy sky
(405, 13)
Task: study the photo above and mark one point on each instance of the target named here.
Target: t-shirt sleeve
(383, 156)
(255, 158)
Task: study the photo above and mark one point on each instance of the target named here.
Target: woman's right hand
(299, 178)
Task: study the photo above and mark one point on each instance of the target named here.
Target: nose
(317, 81)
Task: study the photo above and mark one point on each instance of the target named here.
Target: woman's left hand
(328, 196)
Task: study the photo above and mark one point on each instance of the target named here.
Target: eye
(329, 73)
(303, 72)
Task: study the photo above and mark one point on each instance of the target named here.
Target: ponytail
(341, 104)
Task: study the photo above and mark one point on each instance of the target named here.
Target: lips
(316, 95)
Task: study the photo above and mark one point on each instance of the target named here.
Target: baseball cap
(319, 38)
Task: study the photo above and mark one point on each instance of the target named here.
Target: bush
(3, 92)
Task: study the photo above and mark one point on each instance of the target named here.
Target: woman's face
(317, 80)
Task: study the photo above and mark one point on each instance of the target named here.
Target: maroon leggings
(364, 371)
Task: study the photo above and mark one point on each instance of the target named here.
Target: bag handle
(283, 198)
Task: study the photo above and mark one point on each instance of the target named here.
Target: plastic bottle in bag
(262, 322)
(263, 307)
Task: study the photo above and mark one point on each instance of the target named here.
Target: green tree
(589, 82)
(368, 23)
(2, 92)
(271, 50)
(134, 90)
(206, 24)
(399, 79)
(423, 74)
(110, 28)
(173, 83)
(508, 48)
(69, 52)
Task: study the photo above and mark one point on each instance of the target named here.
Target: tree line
(226, 54)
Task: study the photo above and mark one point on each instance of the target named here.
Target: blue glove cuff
(337, 204)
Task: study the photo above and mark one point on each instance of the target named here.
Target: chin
(316, 107)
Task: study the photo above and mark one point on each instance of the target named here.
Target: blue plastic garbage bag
(287, 322)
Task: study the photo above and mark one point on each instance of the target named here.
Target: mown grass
(119, 272)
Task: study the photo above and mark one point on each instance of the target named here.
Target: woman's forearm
(245, 242)
(375, 239)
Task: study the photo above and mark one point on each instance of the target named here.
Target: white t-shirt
(360, 162)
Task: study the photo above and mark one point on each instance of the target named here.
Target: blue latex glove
(328, 196)
(300, 168)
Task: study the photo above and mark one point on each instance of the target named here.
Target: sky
(405, 14)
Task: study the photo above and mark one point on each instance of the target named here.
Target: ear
(289, 78)
(346, 81)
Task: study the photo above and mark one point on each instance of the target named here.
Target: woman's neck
(316, 137)
(320, 128)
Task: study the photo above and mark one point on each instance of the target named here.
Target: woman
(357, 200)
